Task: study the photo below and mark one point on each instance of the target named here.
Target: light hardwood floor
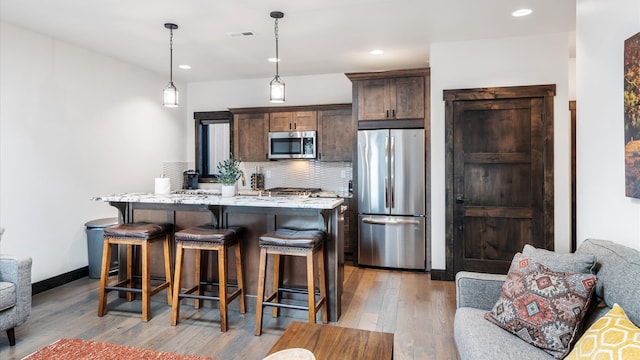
(416, 309)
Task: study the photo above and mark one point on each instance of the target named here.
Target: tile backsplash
(329, 176)
(174, 170)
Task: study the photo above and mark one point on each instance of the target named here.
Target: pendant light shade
(276, 86)
(170, 93)
(170, 96)
(276, 90)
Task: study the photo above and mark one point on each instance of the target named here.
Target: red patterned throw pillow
(542, 307)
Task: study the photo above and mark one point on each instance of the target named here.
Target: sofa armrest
(17, 270)
(478, 290)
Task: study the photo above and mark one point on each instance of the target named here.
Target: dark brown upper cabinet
(333, 122)
(390, 95)
(250, 136)
(293, 121)
(336, 134)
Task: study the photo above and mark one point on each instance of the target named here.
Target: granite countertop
(204, 197)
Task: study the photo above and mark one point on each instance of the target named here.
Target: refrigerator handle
(386, 173)
(390, 221)
(392, 169)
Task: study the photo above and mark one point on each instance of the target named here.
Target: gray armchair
(15, 293)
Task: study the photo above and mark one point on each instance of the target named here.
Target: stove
(283, 191)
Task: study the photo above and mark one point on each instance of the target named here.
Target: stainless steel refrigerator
(391, 198)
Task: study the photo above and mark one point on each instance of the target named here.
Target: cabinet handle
(294, 126)
(289, 126)
(387, 113)
(393, 113)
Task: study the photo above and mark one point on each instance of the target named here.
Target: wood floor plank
(417, 310)
(387, 320)
(404, 339)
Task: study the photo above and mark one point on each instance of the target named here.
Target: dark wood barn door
(500, 174)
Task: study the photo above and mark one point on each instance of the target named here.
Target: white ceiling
(316, 36)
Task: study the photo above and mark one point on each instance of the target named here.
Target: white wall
(533, 60)
(603, 210)
(572, 78)
(73, 124)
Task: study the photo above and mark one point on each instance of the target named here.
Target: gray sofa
(618, 281)
(15, 293)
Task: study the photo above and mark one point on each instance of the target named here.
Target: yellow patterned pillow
(611, 337)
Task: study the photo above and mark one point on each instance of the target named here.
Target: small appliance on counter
(190, 180)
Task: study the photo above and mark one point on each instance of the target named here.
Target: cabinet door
(305, 121)
(293, 121)
(281, 121)
(407, 98)
(373, 101)
(250, 136)
(337, 134)
(395, 98)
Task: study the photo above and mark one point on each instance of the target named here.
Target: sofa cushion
(611, 334)
(478, 339)
(578, 263)
(618, 271)
(541, 306)
(7, 295)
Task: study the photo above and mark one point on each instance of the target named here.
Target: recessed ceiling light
(376, 52)
(521, 12)
(273, 60)
(185, 67)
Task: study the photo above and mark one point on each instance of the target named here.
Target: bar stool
(141, 234)
(292, 242)
(208, 238)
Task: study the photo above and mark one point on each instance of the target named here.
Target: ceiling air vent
(242, 33)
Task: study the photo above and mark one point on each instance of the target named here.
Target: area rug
(77, 349)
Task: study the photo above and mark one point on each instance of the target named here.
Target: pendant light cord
(277, 56)
(171, 56)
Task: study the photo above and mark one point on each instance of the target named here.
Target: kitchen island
(258, 214)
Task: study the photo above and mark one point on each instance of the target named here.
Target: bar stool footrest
(153, 291)
(121, 288)
(267, 301)
(285, 306)
(187, 295)
(297, 291)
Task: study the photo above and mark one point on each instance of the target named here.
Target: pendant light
(170, 93)
(276, 86)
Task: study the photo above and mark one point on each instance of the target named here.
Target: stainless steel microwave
(292, 145)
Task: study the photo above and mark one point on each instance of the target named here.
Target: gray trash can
(95, 232)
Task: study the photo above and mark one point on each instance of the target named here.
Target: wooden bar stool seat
(292, 242)
(140, 234)
(209, 238)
